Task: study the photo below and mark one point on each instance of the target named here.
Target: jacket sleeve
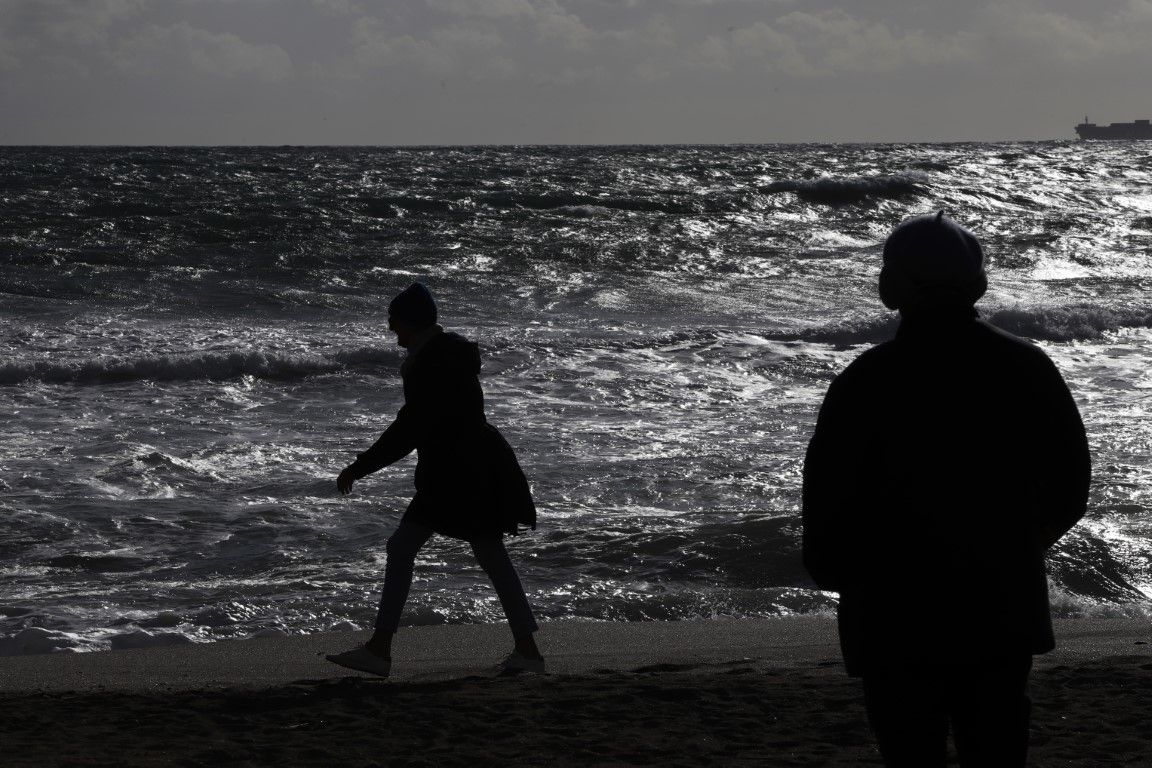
(824, 545)
(398, 441)
(1065, 465)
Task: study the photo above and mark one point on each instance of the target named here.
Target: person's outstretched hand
(344, 481)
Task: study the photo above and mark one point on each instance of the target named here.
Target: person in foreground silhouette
(468, 482)
(944, 463)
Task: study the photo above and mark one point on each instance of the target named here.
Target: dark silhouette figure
(943, 464)
(468, 482)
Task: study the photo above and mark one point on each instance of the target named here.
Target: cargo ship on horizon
(1138, 129)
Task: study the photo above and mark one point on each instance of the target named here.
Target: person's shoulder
(454, 342)
(1010, 344)
(872, 358)
(451, 347)
(868, 368)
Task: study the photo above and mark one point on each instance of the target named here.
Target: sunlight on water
(190, 356)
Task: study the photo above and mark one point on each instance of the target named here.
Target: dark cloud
(458, 71)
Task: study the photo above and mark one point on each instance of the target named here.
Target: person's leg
(990, 712)
(493, 558)
(908, 718)
(402, 548)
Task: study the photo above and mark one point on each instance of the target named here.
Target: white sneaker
(517, 662)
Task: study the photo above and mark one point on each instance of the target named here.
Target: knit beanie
(931, 261)
(414, 305)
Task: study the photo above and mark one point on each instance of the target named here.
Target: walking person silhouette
(944, 463)
(469, 484)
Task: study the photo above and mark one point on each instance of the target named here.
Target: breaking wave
(564, 201)
(855, 189)
(850, 333)
(561, 202)
(386, 207)
(189, 367)
(1075, 323)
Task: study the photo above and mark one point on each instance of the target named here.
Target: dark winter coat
(943, 464)
(468, 482)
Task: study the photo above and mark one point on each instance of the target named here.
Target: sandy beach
(740, 692)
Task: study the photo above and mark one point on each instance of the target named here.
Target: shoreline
(445, 651)
(718, 692)
(426, 653)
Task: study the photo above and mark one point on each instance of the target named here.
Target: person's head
(412, 311)
(932, 263)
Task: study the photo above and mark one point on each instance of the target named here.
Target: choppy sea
(193, 343)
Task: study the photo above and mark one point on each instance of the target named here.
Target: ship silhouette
(1138, 129)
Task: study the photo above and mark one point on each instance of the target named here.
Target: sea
(194, 342)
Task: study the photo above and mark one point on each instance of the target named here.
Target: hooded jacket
(943, 464)
(468, 481)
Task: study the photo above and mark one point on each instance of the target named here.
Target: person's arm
(824, 547)
(398, 441)
(1065, 464)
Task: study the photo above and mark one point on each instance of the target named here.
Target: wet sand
(742, 692)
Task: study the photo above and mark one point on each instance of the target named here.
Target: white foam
(1069, 323)
(1070, 606)
(36, 640)
(192, 366)
(143, 639)
(344, 626)
(267, 632)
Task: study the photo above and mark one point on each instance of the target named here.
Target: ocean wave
(190, 367)
(672, 339)
(391, 206)
(753, 552)
(141, 638)
(850, 333)
(1085, 566)
(1074, 323)
(1066, 605)
(38, 640)
(829, 190)
(576, 202)
(98, 563)
(114, 210)
(571, 203)
(853, 189)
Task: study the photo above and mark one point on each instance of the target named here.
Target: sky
(392, 72)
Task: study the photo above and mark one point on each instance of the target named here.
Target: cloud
(474, 40)
(638, 62)
(487, 9)
(377, 47)
(86, 37)
(340, 7)
(1030, 32)
(759, 42)
(62, 21)
(57, 35)
(829, 43)
(835, 42)
(184, 49)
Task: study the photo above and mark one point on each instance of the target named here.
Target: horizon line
(858, 142)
